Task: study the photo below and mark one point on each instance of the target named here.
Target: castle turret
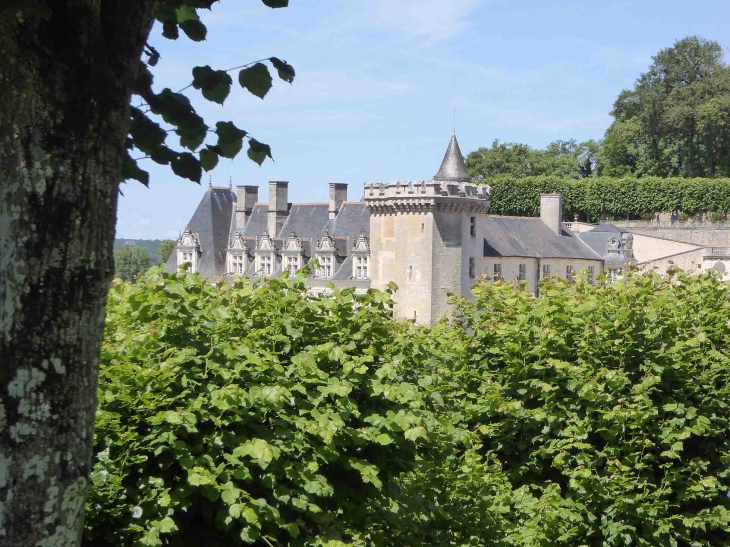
(428, 237)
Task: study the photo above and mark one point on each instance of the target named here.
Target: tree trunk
(65, 85)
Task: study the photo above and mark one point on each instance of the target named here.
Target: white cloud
(431, 19)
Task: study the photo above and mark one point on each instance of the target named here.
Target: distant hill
(149, 245)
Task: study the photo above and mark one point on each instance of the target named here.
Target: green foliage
(148, 135)
(676, 120)
(596, 197)
(236, 412)
(164, 250)
(606, 408)
(158, 249)
(560, 159)
(593, 415)
(130, 261)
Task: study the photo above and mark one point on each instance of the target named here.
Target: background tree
(164, 250)
(676, 120)
(67, 137)
(130, 261)
(560, 159)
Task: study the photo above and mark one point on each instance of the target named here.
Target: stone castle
(431, 238)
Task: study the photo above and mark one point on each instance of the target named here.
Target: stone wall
(706, 237)
(648, 248)
(688, 261)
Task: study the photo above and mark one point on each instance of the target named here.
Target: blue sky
(378, 81)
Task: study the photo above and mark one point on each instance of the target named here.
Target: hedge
(614, 197)
(257, 414)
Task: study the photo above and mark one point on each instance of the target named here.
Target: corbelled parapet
(427, 196)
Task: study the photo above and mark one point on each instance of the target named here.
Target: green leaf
(208, 158)
(256, 79)
(250, 516)
(130, 170)
(169, 30)
(166, 525)
(215, 85)
(384, 439)
(276, 3)
(186, 13)
(187, 166)
(285, 70)
(414, 432)
(195, 30)
(231, 496)
(258, 151)
(230, 139)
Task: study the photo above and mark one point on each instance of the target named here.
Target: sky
(378, 82)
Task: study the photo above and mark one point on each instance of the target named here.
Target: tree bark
(65, 85)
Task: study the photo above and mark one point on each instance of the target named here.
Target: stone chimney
(246, 198)
(551, 211)
(338, 195)
(278, 206)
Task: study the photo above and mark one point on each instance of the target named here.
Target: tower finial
(210, 181)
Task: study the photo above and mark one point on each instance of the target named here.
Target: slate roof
(453, 167)
(257, 223)
(212, 222)
(607, 227)
(597, 239)
(530, 237)
(352, 218)
(306, 220)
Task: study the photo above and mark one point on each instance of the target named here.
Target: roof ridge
(312, 203)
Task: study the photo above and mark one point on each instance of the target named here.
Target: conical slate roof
(453, 167)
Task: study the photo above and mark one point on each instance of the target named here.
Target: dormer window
(325, 267)
(362, 267)
(292, 264)
(188, 250)
(237, 264)
(266, 265)
(237, 255)
(361, 258)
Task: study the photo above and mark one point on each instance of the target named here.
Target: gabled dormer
(237, 262)
(265, 255)
(326, 256)
(188, 249)
(292, 253)
(361, 257)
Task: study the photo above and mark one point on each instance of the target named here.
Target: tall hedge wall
(601, 196)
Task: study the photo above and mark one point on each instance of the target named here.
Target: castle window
(497, 272)
(591, 274)
(292, 264)
(473, 226)
(410, 273)
(545, 271)
(361, 267)
(423, 227)
(188, 257)
(522, 275)
(266, 265)
(325, 267)
(472, 268)
(237, 264)
(569, 271)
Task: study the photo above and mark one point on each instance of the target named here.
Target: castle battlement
(432, 188)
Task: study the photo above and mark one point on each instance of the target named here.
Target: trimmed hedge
(606, 196)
